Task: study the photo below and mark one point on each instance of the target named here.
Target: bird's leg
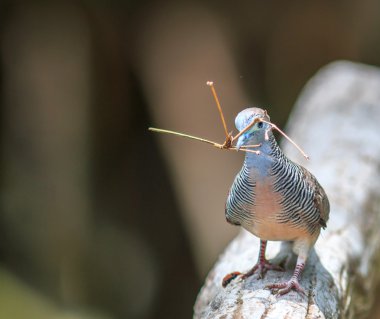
(262, 265)
(293, 283)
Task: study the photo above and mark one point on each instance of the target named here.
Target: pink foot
(285, 287)
(262, 266)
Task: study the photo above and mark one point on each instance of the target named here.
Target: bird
(275, 199)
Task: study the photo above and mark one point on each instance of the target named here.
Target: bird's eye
(260, 124)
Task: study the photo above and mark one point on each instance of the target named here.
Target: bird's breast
(256, 203)
(266, 211)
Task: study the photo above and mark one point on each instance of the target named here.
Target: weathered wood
(337, 121)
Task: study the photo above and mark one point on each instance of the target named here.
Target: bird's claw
(285, 287)
(262, 267)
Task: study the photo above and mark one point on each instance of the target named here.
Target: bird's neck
(260, 164)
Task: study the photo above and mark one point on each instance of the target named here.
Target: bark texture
(337, 121)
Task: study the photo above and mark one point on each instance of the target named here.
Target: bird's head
(256, 134)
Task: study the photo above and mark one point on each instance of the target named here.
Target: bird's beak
(241, 141)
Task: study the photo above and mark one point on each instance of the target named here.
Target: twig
(211, 85)
(287, 137)
(227, 145)
(217, 145)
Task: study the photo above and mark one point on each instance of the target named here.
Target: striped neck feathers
(269, 151)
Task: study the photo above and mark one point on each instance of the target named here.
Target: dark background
(101, 218)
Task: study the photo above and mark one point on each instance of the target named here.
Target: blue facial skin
(255, 135)
(242, 139)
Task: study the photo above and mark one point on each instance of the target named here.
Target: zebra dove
(274, 199)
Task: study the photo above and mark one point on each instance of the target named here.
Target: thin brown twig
(287, 137)
(256, 120)
(250, 146)
(211, 85)
(229, 137)
(217, 145)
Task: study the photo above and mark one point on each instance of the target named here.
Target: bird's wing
(320, 200)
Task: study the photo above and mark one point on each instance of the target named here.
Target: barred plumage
(275, 198)
(241, 199)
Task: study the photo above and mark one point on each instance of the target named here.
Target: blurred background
(101, 218)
